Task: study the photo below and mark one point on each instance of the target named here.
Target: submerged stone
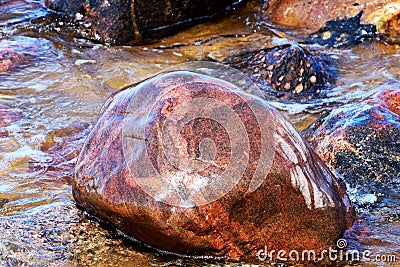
(15, 54)
(361, 142)
(10, 59)
(288, 71)
(7, 117)
(193, 165)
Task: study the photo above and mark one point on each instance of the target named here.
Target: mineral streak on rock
(129, 172)
(289, 70)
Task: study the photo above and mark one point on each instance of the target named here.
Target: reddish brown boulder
(361, 141)
(135, 21)
(313, 15)
(193, 165)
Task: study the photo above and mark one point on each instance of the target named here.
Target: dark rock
(130, 22)
(344, 32)
(193, 165)
(361, 142)
(288, 71)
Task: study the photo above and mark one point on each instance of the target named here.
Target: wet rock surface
(62, 146)
(312, 15)
(288, 71)
(295, 204)
(119, 22)
(344, 32)
(360, 141)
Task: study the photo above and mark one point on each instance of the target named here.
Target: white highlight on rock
(294, 137)
(300, 181)
(287, 150)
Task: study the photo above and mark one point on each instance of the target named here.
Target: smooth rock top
(193, 165)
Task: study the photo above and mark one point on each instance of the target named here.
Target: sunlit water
(61, 87)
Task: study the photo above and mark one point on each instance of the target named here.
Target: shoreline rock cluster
(134, 180)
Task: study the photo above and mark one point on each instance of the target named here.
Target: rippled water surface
(58, 89)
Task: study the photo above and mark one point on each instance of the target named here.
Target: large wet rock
(313, 15)
(193, 165)
(361, 141)
(287, 71)
(135, 21)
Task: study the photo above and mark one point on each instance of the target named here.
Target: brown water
(59, 89)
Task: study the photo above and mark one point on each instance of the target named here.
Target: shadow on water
(57, 89)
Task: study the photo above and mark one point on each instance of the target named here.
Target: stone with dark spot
(132, 22)
(148, 164)
(312, 15)
(288, 71)
(361, 142)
